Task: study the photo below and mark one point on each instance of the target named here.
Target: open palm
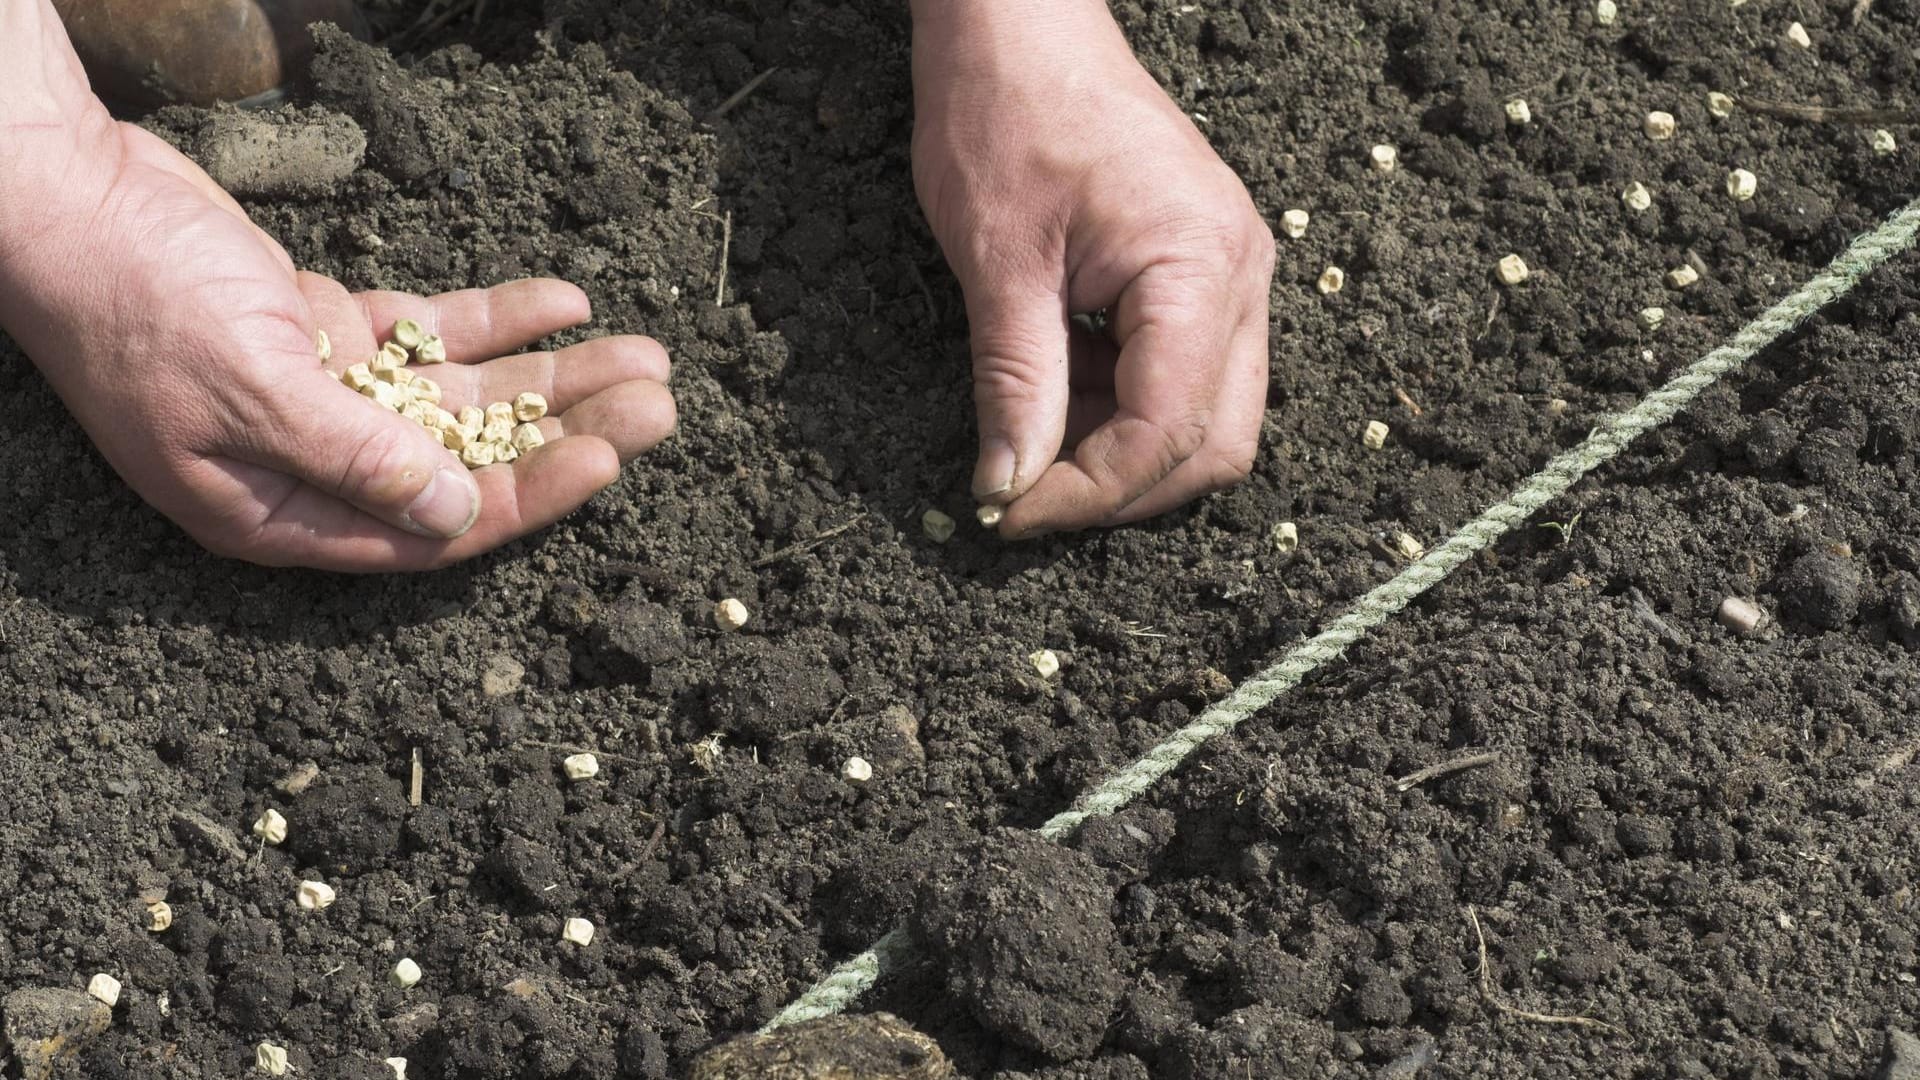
(182, 338)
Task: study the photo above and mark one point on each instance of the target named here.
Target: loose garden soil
(1705, 842)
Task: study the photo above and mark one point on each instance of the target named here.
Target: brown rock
(45, 1026)
(877, 1046)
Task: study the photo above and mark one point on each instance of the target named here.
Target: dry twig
(808, 545)
(1816, 114)
(726, 246)
(1445, 768)
(1487, 992)
(741, 94)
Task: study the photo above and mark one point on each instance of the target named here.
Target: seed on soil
(1604, 12)
(1332, 280)
(1742, 184)
(1044, 661)
(939, 527)
(1375, 435)
(408, 334)
(1798, 35)
(1557, 407)
(1652, 317)
(526, 439)
(990, 516)
(314, 895)
(1408, 547)
(270, 1059)
(399, 1067)
(271, 826)
(528, 407)
(1658, 125)
(323, 345)
(405, 973)
(730, 614)
(1636, 196)
(105, 989)
(579, 931)
(1383, 158)
(1739, 616)
(1294, 223)
(1681, 277)
(580, 766)
(159, 916)
(1286, 537)
(1519, 112)
(1511, 270)
(1883, 143)
(857, 770)
(1719, 104)
(431, 351)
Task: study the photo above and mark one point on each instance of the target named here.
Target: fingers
(1226, 456)
(631, 417)
(565, 378)
(480, 324)
(1020, 386)
(1174, 345)
(346, 447)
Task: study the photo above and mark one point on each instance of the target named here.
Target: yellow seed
(505, 453)
(384, 394)
(403, 377)
(455, 438)
(477, 455)
(529, 407)
(1286, 537)
(1512, 270)
(1407, 546)
(1652, 317)
(1519, 112)
(408, 334)
(1383, 158)
(398, 354)
(1682, 276)
(1719, 104)
(497, 431)
(1294, 223)
(1332, 280)
(383, 365)
(471, 416)
(425, 389)
(431, 351)
(159, 916)
(357, 377)
(1742, 184)
(527, 438)
(730, 614)
(1798, 35)
(990, 516)
(500, 412)
(1659, 126)
(442, 419)
(1883, 143)
(938, 526)
(270, 1059)
(1636, 196)
(418, 412)
(1375, 436)
(323, 345)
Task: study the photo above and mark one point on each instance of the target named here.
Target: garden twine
(852, 978)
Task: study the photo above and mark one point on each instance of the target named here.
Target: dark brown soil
(1705, 841)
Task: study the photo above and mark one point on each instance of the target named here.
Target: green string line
(851, 979)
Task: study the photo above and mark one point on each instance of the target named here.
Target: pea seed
(408, 334)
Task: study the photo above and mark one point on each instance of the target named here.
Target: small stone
(1741, 185)
(1650, 318)
(1681, 277)
(1375, 435)
(1286, 537)
(501, 676)
(270, 1059)
(1044, 661)
(1719, 104)
(857, 770)
(1902, 1061)
(1511, 270)
(1883, 144)
(1332, 280)
(405, 973)
(105, 989)
(1519, 113)
(1797, 34)
(580, 767)
(159, 916)
(1636, 196)
(730, 615)
(299, 780)
(578, 931)
(938, 526)
(45, 1027)
(870, 1046)
(1658, 125)
(1383, 158)
(399, 1067)
(314, 895)
(1294, 223)
(1604, 12)
(1739, 616)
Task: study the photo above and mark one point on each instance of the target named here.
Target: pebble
(874, 1046)
(45, 1027)
(287, 155)
(1740, 616)
(501, 676)
(1903, 1057)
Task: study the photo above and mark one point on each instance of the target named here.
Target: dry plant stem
(808, 545)
(1816, 114)
(741, 94)
(1860, 9)
(726, 246)
(1445, 768)
(1487, 993)
(418, 780)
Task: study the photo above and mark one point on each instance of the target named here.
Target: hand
(1061, 180)
(182, 339)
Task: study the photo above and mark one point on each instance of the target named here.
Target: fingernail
(994, 474)
(447, 507)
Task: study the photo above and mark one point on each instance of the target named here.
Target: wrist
(50, 125)
(955, 39)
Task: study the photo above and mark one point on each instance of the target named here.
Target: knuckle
(380, 469)
(1231, 467)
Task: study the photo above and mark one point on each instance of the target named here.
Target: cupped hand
(1061, 180)
(183, 339)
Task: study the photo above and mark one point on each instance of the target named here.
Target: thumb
(1021, 386)
(347, 446)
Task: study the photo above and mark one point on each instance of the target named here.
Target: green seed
(408, 334)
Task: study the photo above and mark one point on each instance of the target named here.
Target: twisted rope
(851, 979)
